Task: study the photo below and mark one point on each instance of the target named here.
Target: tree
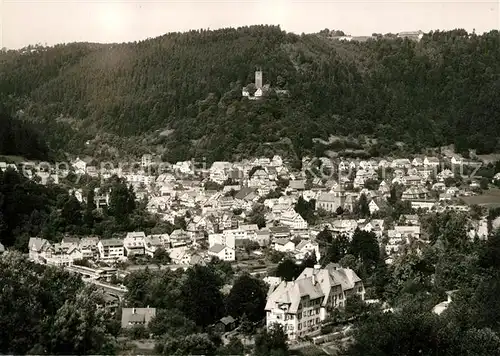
(161, 256)
(257, 217)
(337, 249)
(287, 269)
(484, 183)
(348, 261)
(121, 202)
(361, 208)
(222, 269)
(47, 310)
(201, 298)
(324, 237)
(364, 246)
(306, 209)
(71, 211)
(251, 246)
(194, 344)
(234, 347)
(271, 342)
(88, 217)
(172, 323)
(247, 296)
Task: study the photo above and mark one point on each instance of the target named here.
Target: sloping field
(489, 199)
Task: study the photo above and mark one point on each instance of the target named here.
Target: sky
(24, 22)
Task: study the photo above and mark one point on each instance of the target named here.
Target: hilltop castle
(260, 89)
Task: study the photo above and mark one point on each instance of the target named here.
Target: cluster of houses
(217, 202)
(218, 206)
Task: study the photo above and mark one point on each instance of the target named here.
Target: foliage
(289, 270)
(361, 208)
(121, 202)
(222, 269)
(306, 209)
(247, 296)
(234, 347)
(271, 342)
(337, 249)
(172, 323)
(193, 344)
(48, 311)
(201, 299)
(160, 289)
(365, 248)
(19, 138)
(161, 256)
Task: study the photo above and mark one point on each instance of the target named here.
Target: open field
(489, 199)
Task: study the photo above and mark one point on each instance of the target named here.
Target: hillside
(441, 90)
(18, 138)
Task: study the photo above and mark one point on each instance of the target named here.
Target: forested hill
(20, 139)
(443, 89)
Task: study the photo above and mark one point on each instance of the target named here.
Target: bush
(138, 332)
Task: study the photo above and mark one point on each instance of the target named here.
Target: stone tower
(258, 78)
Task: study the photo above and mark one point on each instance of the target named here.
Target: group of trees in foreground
(30, 209)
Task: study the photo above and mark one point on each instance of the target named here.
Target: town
(258, 214)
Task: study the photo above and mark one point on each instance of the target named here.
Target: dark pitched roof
(243, 192)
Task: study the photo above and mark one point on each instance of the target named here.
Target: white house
(301, 305)
(110, 250)
(284, 245)
(80, 166)
(293, 219)
(152, 243)
(224, 253)
(307, 247)
(38, 249)
(134, 243)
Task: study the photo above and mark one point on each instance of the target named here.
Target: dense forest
(187, 86)
(20, 138)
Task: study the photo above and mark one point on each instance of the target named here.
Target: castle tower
(258, 78)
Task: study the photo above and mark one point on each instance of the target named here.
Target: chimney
(317, 267)
(133, 311)
(313, 278)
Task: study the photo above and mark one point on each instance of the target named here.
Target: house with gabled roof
(38, 248)
(377, 204)
(132, 317)
(307, 247)
(284, 245)
(179, 238)
(431, 161)
(222, 252)
(152, 243)
(301, 305)
(293, 220)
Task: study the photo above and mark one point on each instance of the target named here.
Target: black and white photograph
(250, 177)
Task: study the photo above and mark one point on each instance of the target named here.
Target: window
(300, 326)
